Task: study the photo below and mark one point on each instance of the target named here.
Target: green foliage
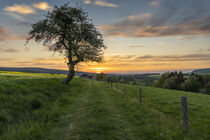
(174, 80)
(69, 31)
(193, 83)
(171, 83)
(207, 87)
(170, 80)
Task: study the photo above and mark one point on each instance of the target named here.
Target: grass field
(39, 106)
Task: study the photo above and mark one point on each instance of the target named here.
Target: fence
(183, 101)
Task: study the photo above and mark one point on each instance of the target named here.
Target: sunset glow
(99, 69)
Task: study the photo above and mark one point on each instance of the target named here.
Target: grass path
(102, 113)
(93, 116)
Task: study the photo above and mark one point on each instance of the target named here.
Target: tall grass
(31, 104)
(168, 102)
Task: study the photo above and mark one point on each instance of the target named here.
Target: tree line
(179, 81)
(169, 80)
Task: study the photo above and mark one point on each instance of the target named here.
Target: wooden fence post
(140, 94)
(124, 90)
(184, 113)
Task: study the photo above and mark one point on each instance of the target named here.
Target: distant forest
(199, 83)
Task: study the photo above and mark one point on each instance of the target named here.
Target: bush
(207, 87)
(171, 83)
(174, 80)
(170, 80)
(193, 83)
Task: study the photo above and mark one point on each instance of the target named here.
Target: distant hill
(39, 70)
(202, 71)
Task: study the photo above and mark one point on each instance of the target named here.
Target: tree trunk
(70, 75)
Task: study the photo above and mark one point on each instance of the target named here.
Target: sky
(141, 35)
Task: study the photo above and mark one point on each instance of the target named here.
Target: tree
(171, 83)
(207, 87)
(101, 76)
(170, 80)
(193, 83)
(69, 31)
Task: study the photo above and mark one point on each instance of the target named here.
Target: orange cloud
(21, 9)
(87, 1)
(101, 3)
(42, 5)
(105, 4)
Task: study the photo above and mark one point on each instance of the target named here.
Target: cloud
(54, 63)
(101, 3)
(2, 33)
(155, 3)
(9, 50)
(138, 17)
(6, 59)
(26, 49)
(105, 4)
(170, 58)
(45, 49)
(40, 62)
(2, 30)
(185, 37)
(87, 1)
(21, 9)
(160, 44)
(201, 50)
(137, 59)
(141, 46)
(16, 16)
(42, 5)
(24, 23)
(147, 63)
(5, 35)
(169, 19)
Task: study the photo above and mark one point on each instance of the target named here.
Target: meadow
(39, 106)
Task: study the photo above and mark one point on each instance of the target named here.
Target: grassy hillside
(32, 104)
(168, 103)
(38, 106)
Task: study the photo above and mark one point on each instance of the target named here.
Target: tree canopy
(69, 31)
